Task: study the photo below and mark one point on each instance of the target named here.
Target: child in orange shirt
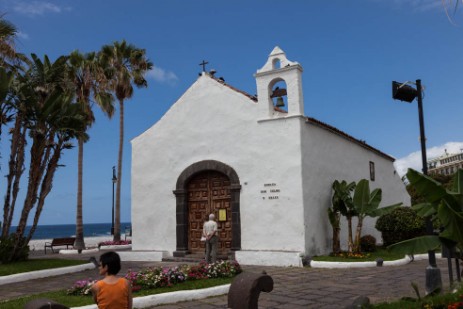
(112, 292)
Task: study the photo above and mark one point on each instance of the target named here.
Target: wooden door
(209, 192)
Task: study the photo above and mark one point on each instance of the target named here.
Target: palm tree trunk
(117, 219)
(15, 169)
(358, 234)
(80, 244)
(350, 243)
(38, 153)
(46, 186)
(336, 233)
(336, 240)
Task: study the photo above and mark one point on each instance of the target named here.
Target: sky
(350, 51)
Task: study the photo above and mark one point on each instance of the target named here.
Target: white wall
(330, 157)
(213, 122)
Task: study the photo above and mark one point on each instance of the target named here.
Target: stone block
(245, 290)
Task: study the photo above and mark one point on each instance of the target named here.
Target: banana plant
(341, 205)
(366, 204)
(446, 205)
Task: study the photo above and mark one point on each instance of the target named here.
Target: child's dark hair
(112, 260)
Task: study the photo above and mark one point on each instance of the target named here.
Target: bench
(56, 242)
(128, 232)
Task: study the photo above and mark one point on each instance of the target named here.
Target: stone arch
(182, 202)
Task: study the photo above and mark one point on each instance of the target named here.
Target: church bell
(280, 102)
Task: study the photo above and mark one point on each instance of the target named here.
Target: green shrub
(367, 243)
(401, 224)
(6, 248)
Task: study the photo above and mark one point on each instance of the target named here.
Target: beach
(90, 242)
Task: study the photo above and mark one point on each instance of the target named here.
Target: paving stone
(293, 287)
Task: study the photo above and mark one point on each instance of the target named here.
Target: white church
(257, 162)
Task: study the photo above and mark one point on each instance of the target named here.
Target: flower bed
(351, 255)
(110, 244)
(157, 277)
(114, 243)
(82, 287)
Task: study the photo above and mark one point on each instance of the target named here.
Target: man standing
(210, 232)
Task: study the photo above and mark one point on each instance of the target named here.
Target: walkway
(293, 287)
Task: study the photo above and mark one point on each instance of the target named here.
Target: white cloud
(421, 5)
(37, 8)
(22, 35)
(162, 76)
(426, 5)
(413, 160)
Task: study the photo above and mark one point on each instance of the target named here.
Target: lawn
(443, 301)
(365, 257)
(76, 301)
(36, 264)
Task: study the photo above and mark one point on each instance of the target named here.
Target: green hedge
(368, 243)
(401, 224)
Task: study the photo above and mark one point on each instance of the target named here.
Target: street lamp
(114, 180)
(404, 92)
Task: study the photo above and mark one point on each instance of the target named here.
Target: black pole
(429, 227)
(433, 276)
(113, 181)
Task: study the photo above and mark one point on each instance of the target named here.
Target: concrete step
(192, 258)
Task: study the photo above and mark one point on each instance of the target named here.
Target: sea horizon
(49, 231)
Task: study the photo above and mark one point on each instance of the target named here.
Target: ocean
(69, 230)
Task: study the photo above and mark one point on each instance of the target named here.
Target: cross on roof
(204, 65)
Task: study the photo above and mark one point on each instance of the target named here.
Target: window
(372, 171)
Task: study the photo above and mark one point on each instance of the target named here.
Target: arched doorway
(197, 171)
(209, 193)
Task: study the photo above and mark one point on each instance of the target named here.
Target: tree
(46, 114)
(366, 204)
(126, 65)
(7, 105)
(87, 80)
(9, 65)
(7, 33)
(447, 6)
(445, 204)
(9, 58)
(6, 79)
(342, 205)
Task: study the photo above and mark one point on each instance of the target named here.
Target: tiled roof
(313, 121)
(338, 132)
(222, 81)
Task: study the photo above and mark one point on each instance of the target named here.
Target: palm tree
(46, 114)
(7, 55)
(126, 66)
(7, 34)
(87, 79)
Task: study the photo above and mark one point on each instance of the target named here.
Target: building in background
(446, 164)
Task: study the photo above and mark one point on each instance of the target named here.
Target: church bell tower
(279, 86)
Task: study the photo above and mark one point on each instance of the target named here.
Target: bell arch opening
(278, 94)
(276, 63)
